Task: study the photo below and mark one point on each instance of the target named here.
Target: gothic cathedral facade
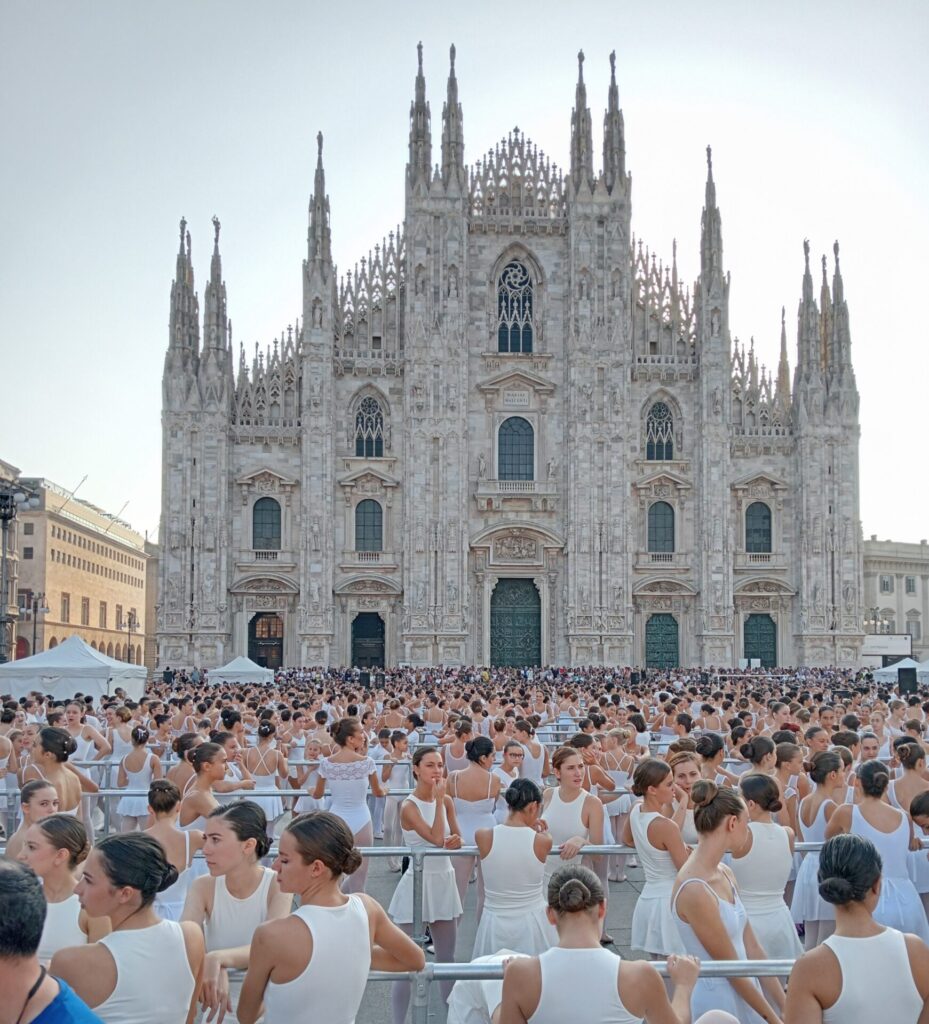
(509, 436)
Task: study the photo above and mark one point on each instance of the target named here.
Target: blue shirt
(67, 1008)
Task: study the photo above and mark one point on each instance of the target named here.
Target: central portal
(515, 624)
(368, 641)
(266, 640)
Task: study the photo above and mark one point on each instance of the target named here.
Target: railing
(663, 557)
(265, 556)
(366, 557)
(758, 558)
(518, 486)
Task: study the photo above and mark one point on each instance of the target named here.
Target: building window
(119, 616)
(266, 525)
(85, 611)
(660, 527)
(911, 584)
(102, 621)
(913, 626)
(65, 607)
(887, 584)
(28, 529)
(758, 528)
(369, 526)
(27, 553)
(369, 429)
(516, 450)
(659, 434)
(514, 309)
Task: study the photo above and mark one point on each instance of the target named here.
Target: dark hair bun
(837, 891)
(262, 846)
(266, 729)
(573, 895)
(169, 878)
(352, 862)
(747, 750)
(775, 806)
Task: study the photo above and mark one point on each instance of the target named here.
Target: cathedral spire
(783, 367)
(841, 334)
(825, 319)
(452, 130)
(215, 323)
(614, 140)
(419, 167)
(319, 242)
(711, 234)
(582, 147)
(809, 347)
(184, 329)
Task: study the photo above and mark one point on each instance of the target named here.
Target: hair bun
(573, 895)
(775, 806)
(352, 862)
(168, 878)
(837, 891)
(747, 750)
(703, 792)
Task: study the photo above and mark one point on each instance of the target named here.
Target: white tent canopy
(71, 667)
(890, 674)
(241, 670)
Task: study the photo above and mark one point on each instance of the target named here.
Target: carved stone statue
(552, 467)
(314, 533)
(481, 466)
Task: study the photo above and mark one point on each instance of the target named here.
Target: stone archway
(368, 647)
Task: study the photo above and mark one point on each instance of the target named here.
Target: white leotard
(331, 987)
(61, 928)
(580, 984)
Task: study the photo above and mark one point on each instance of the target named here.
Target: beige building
(9, 474)
(90, 569)
(896, 590)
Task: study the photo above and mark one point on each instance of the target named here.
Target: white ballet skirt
(899, 905)
(136, 806)
(440, 893)
(718, 993)
(623, 803)
(761, 876)
(807, 904)
(654, 926)
(474, 1002)
(514, 903)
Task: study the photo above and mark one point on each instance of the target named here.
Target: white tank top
(154, 984)
(232, 922)
(513, 875)
(564, 822)
(659, 869)
(590, 975)
(762, 873)
(61, 928)
(877, 983)
(332, 984)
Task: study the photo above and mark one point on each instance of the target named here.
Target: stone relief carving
(516, 548)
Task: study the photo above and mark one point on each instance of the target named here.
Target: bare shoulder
(918, 953)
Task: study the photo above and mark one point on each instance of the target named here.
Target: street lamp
(875, 622)
(37, 607)
(11, 501)
(131, 624)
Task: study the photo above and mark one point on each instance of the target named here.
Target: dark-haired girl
(513, 858)
(137, 770)
(762, 866)
(54, 848)
(145, 969)
(208, 761)
(180, 845)
(50, 752)
(711, 919)
(474, 791)
(813, 814)
(863, 971)
(237, 896)
(891, 832)
(181, 773)
(298, 965)
(37, 800)
(350, 773)
(901, 793)
(428, 820)
(578, 980)
(268, 767)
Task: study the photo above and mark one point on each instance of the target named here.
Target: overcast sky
(117, 118)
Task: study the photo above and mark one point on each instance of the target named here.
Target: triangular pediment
(765, 480)
(517, 378)
(368, 475)
(265, 475)
(663, 477)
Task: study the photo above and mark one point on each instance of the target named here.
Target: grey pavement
(375, 1008)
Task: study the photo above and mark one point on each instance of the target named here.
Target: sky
(119, 117)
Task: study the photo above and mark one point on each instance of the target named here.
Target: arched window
(758, 528)
(660, 527)
(514, 309)
(266, 525)
(515, 450)
(369, 526)
(659, 434)
(369, 430)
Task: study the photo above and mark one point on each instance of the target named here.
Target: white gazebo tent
(242, 670)
(890, 674)
(72, 667)
(922, 671)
